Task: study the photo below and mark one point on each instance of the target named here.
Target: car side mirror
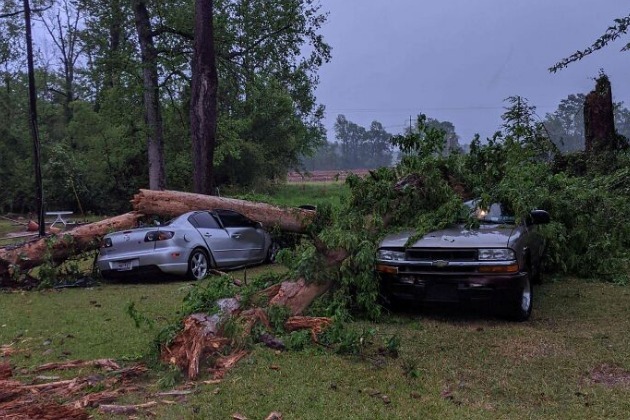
(258, 225)
(538, 217)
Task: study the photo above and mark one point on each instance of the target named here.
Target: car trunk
(131, 241)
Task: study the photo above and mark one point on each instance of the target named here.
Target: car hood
(457, 236)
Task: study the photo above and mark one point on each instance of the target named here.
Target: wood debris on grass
(7, 350)
(68, 398)
(107, 364)
(315, 324)
(125, 409)
(202, 337)
(5, 370)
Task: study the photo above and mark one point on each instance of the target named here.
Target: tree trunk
(599, 120)
(174, 203)
(73, 242)
(203, 101)
(152, 112)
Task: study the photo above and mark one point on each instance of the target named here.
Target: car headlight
(496, 254)
(390, 255)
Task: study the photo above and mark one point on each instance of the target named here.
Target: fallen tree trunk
(174, 203)
(58, 248)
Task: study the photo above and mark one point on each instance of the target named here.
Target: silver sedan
(189, 245)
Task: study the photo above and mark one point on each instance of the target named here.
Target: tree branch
(620, 27)
(19, 12)
(256, 43)
(167, 30)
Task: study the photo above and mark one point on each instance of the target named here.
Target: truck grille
(441, 254)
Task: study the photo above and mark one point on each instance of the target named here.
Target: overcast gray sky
(457, 60)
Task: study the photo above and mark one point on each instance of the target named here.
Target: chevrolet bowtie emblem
(439, 263)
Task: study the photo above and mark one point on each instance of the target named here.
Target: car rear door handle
(207, 235)
(236, 235)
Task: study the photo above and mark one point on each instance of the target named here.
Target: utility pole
(32, 102)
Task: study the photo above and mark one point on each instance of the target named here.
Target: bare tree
(62, 24)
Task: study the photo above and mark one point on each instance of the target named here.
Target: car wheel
(272, 252)
(198, 264)
(521, 307)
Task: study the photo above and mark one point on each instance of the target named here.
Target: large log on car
(57, 248)
(174, 203)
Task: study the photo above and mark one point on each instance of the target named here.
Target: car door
(247, 237)
(215, 237)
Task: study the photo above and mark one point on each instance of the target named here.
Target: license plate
(123, 265)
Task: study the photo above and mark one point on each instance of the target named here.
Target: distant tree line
(357, 147)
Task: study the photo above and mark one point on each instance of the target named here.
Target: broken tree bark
(58, 248)
(174, 203)
(599, 119)
(202, 335)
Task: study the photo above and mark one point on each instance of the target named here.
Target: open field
(324, 176)
(570, 361)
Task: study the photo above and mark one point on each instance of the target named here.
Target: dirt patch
(610, 375)
(531, 346)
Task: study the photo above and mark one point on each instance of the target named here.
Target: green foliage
(138, 318)
(588, 235)
(73, 271)
(204, 295)
(92, 130)
(278, 315)
(298, 340)
(346, 340)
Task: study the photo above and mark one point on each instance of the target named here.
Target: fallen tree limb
(174, 203)
(58, 248)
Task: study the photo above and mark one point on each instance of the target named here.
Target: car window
(495, 213)
(204, 220)
(231, 218)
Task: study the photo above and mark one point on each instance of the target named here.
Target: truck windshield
(495, 214)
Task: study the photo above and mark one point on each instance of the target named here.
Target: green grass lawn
(451, 364)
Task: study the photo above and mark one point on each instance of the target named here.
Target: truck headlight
(496, 254)
(390, 255)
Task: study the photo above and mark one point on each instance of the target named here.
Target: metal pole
(32, 101)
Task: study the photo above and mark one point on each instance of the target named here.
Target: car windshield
(496, 213)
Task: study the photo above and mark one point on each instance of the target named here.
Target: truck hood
(457, 236)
